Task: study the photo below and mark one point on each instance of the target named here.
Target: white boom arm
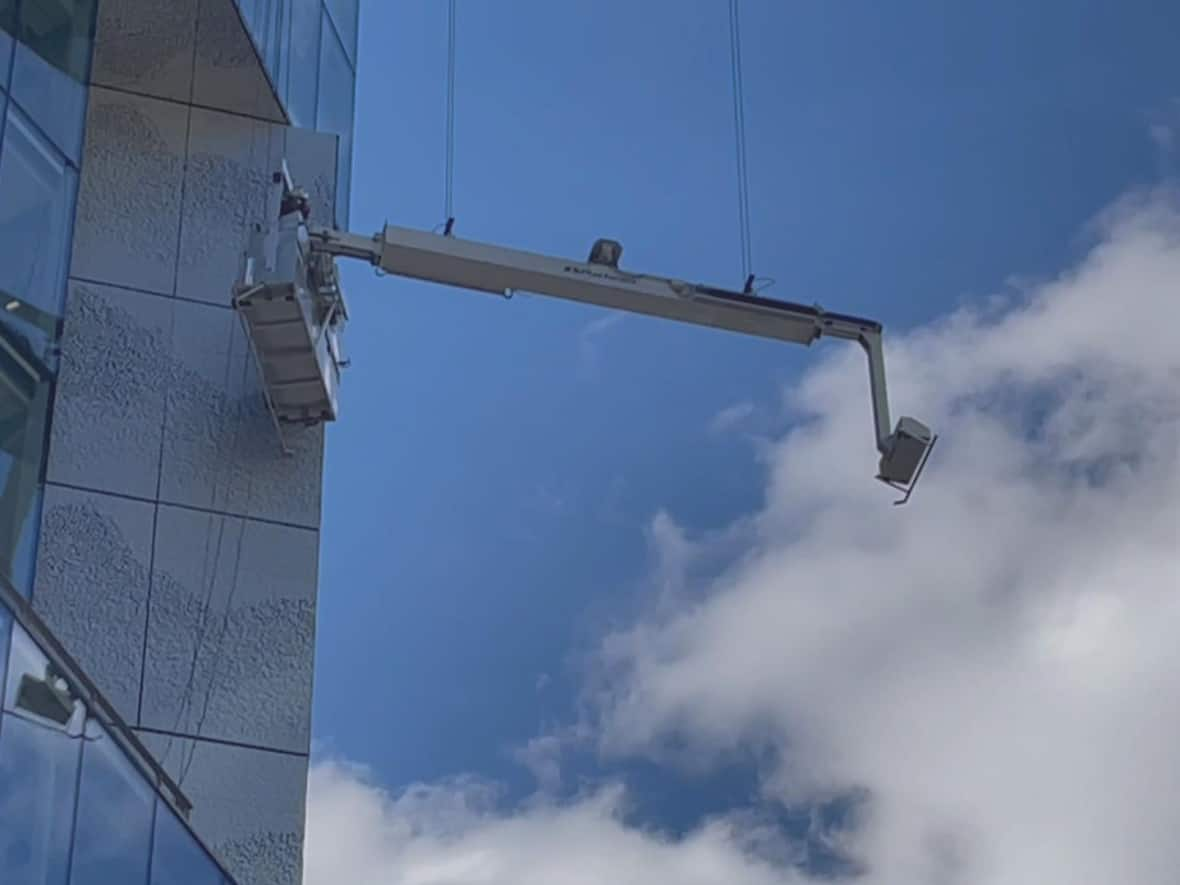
(485, 268)
(290, 301)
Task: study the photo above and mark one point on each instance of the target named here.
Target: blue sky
(490, 489)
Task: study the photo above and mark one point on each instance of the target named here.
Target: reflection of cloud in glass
(113, 834)
(38, 773)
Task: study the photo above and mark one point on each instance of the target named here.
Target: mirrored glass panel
(7, 30)
(303, 62)
(36, 199)
(61, 32)
(344, 14)
(334, 112)
(5, 629)
(177, 859)
(112, 840)
(40, 747)
(38, 776)
(54, 100)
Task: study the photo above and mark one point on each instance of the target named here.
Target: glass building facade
(74, 808)
(131, 138)
(45, 50)
(308, 48)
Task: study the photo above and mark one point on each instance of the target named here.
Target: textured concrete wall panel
(146, 46)
(247, 804)
(231, 630)
(230, 162)
(92, 585)
(211, 579)
(228, 75)
(108, 418)
(221, 451)
(128, 216)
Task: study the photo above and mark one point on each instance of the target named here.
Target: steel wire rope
(449, 174)
(229, 599)
(739, 129)
(212, 579)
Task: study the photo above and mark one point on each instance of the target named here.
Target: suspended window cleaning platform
(289, 300)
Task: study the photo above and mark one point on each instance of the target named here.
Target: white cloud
(731, 417)
(997, 665)
(541, 755)
(450, 833)
(590, 342)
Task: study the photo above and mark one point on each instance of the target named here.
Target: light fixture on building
(48, 697)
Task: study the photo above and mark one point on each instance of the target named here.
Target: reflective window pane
(7, 29)
(40, 747)
(247, 9)
(115, 810)
(275, 21)
(262, 20)
(36, 199)
(38, 776)
(5, 628)
(53, 99)
(303, 62)
(20, 508)
(344, 13)
(62, 33)
(283, 47)
(334, 112)
(177, 859)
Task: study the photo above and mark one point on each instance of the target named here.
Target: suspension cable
(739, 129)
(449, 179)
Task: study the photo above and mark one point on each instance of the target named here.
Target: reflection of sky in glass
(114, 815)
(55, 100)
(63, 41)
(344, 14)
(304, 63)
(38, 775)
(308, 48)
(5, 628)
(5, 45)
(176, 858)
(36, 199)
(287, 36)
(116, 806)
(334, 114)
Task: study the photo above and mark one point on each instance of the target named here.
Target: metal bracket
(909, 489)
